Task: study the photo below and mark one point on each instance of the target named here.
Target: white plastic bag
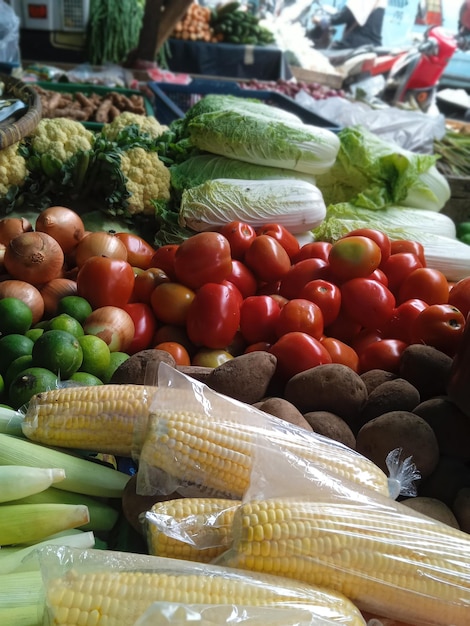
(9, 34)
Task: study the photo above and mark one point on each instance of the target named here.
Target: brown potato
(449, 476)
(331, 426)
(393, 395)
(374, 378)
(426, 368)
(284, 410)
(142, 367)
(461, 508)
(432, 508)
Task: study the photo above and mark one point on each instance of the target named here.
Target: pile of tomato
(359, 301)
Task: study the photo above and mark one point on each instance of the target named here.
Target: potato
(142, 367)
(392, 395)
(199, 372)
(399, 429)
(432, 508)
(245, 378)
(461, 508)
(427, 368)
(284, 410)
(330, 387)
(331, 426)
(449, 476)
(374, 378)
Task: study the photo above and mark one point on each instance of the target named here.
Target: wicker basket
(14, 88)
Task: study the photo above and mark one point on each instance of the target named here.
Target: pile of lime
(52, 353)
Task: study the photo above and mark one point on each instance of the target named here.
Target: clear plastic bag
(9, 34)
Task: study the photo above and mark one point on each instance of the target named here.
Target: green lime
(15, 316)
(83, 378)
(117, 358)
(75, 306)
(20, 364)
(96, 355)
(2, 386)
(42, 325)
(29, 382)
(66, 322)
(58, 351)
(13, 346)
(34, 333)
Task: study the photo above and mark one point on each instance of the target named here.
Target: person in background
(363, 22)
(464, 19)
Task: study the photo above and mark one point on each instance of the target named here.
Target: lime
(34, 333)
(75, 306)
(13, 346)
(96, 355)
(29, 382)
(117, 358)
(18, 365)
(2, 386)
(83, 378)
(66, 322)
(58, 351)
(15, 316)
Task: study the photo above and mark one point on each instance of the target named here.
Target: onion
(34, 257)
(112, 324)
(100, 243)
(26, 292)
(10, 227)
(63, 224)
(54, 290)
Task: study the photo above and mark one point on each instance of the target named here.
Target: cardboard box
(333, 79)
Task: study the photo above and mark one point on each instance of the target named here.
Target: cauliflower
(148, 179)
(61, 138)
(13, 169)
(147, 124)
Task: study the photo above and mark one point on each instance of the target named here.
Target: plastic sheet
(9, 34)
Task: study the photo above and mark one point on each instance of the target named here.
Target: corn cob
(100, 418)
(20, 481)
(194, 529)
(118, 598)
(21, 598)
(387, 560)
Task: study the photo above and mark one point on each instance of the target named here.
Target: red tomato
(256, 347)
(105, 281)
(170, 333)
(425, 284)
(267, 259)
(235, 291)
(406, 245)
(341, 353)
(177, 351)
(398, 266)
(380, 238)
(170, 303)
(258, 318)
(164, 259)
(240, 236)
(146, 281)
(380, 276)
(354, 257)
(343, 328)
(287, 240)
(297, 352)
(367, 301)
(399, 325)
(326, 295)
(269, 289)
(300, 315)
(313, 250)
(214, 316)
(459, 296)
(203, 258)
(299, 275)
(364, 338)
(440, 326)
(139, 252)
(383, 355)
(243, 278)
(145, 326)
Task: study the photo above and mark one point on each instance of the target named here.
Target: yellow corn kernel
(194, 529)
(100, 418)
(387, 560)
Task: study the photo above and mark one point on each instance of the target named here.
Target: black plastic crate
(172, 101)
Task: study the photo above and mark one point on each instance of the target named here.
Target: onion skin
(99, 243)
(112, 324)
(34, 257)
(29, 294)
(63, 224)
(11, 227)
(54, 290)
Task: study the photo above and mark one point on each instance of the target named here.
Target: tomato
(341, 352)
(379, 275)
(440, 326)
(299, 275)
(146, 281)
(170, 333)
(259, 345)
(105, 281)
(459, 296)
(267, 259)
(364, 338)
(302, 315)
(380, 238)
(145, 326)
(343, 328)
(367, 301)
(399, 325)
(287, 240)
(206, 357)
(354, 257)
(243, 278)
(297, 352)
(139, 252)
(407, 245)
(203, 258)
(425, 284)
(383, 355)
(269, 289)
(170, 303)
(326, 295)
(398, 266)
(258, 318)
(214, 316)
(235, 291)
(177, 351)
(240, 236)
(164, 259)
(313, 250)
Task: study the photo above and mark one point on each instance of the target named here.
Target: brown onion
(63, 224)
(112, 324)
(26, 292)
(34, 257)
(100, 243)
(11, 227)
(54, 290)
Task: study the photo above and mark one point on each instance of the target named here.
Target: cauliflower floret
(61, 138)
(148, 179)
(12, 168)
(147, 124)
